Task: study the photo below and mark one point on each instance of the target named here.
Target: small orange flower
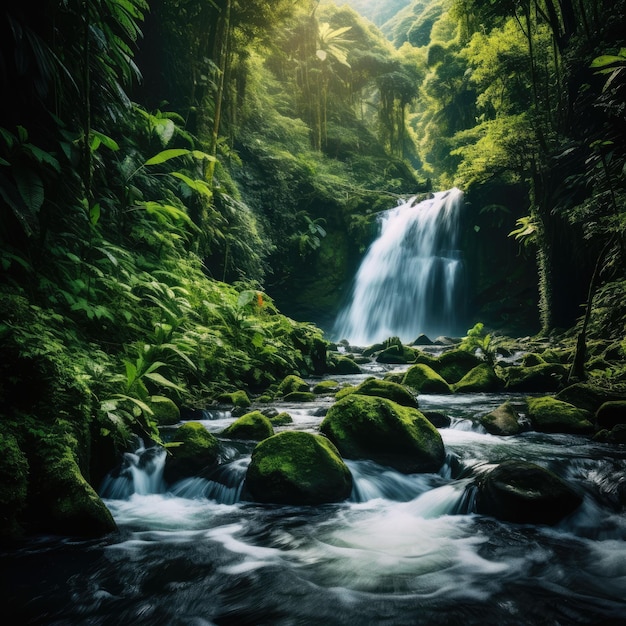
(259, 299)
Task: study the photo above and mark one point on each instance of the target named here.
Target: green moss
(539, 378)
(237, 398)
(379, 429)
(194, 449)
(424, 379)
(344, 366)
(292, 383)
(326, 387)
(455, 364)
(165, 412)
(397, 354)
(480, 379)
(382, 389)
(532, 358)
(295, 467)
(282, 419)
(13, 485)
(60, 500)
(299, 396)
(550, 415)
(252, 425)
(503, 420)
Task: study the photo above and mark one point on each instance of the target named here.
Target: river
(406, 549)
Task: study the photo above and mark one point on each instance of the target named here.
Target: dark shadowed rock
(525, 493)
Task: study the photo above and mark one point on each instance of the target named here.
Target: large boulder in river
(364, 427)
(525, 493)
(396, 354)
(587, 396)
(549, 415)
(252, 425)
(455, 364)
(611, 414)
(424, 379)
(540, 378)
(503, 420)
(382, 389)
(291, 384)
(295, 467)
(481, 379)
(192, 450)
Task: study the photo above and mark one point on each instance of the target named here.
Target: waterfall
(411, 279)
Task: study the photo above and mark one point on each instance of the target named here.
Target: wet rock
(424, 379)
(164, 411)
(550, 415)
(588, 397)
(617, 435)
(295, 467)
(281, 419)
(503, 421)
(237, 398)
(480, 379)
(422, 340)
(254, 426)
(192, 450)
(396, 354)
(382, 389)
(364, 427)
(540, 378)
(326, 387)
(455, 364)
(292, 383)
(525, 493)
(437, 419)
(300, 396)
(611, 414)
(344, 366)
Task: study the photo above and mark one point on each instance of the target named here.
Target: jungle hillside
(187, 188)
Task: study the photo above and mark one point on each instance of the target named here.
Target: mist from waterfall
(411, 278)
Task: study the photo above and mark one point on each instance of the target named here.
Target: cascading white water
(411, 279)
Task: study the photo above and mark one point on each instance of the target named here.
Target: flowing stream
(411, 278)
(405, 549)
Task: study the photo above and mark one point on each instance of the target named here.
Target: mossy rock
(503, 420)
(426, 359)
(254, 426)
(617, 435)
(193, 449)
(554, 356)
(532, 358)
(165, 412)
(60, 500)
(611, 414)
(481, 379)
(300, 396)
(366, 427)
(292, 383)
(588, 397)
(237, 398)
(455, 364)
(525, 493)
(437, 419)
(537, 378)
(394, 377)
(282, 419)
(344, 366)
(326, 387)
(549, 415)
(373, 349)
(13, 485)
(382, 389)
(299, 468)
(424, 379)
(396, 354)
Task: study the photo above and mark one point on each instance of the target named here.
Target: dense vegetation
(165, 166)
